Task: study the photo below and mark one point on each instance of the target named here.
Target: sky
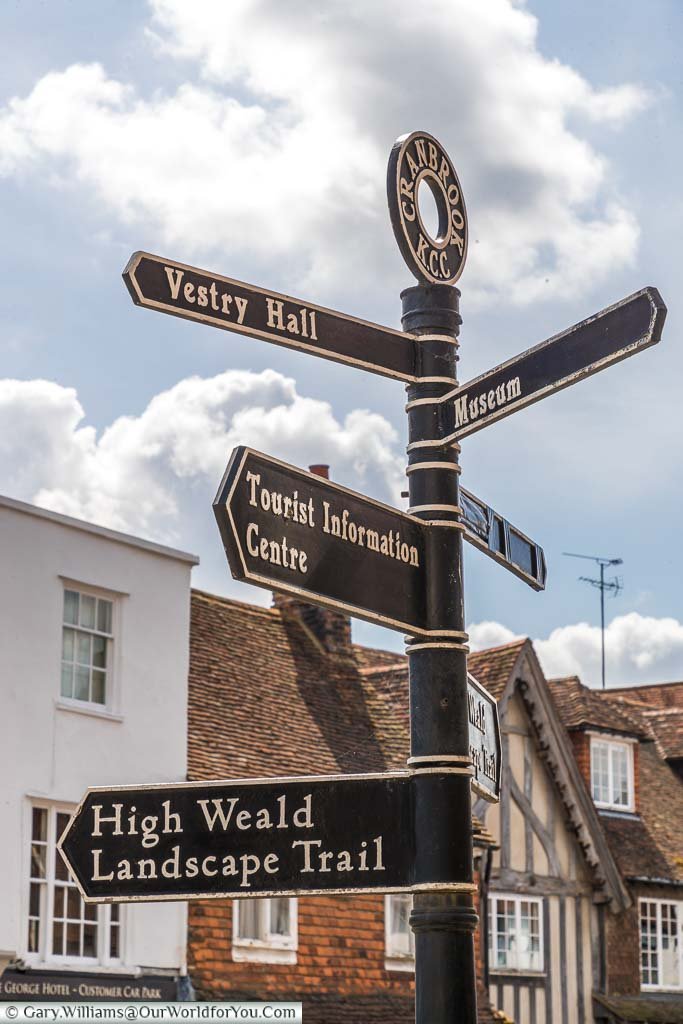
(251, 138)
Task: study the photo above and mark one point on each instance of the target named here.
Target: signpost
(289, 530)
(260, 837)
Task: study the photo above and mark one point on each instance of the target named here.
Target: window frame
(396, 959)
(42, 957)
(610, 740)
(111, 706)
(659, 902)
(517, 899)
(273, 949)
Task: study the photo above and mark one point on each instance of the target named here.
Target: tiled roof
(662, 707)
(653, 695)
(657, 1008)
(264, 700)
(583, 708)
(493, 667)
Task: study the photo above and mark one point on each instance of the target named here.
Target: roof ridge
(644, 686)
(377, 669)
(519, 642)
(210, 598)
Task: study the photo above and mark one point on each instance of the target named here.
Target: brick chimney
(330, 628)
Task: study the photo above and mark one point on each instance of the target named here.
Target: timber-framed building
(580, 865)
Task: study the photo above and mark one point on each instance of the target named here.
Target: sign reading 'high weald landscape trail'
(208, 298)
(257, 837)
(614, 334)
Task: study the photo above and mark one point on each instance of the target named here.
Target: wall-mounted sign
(41, 986)
(485, 745)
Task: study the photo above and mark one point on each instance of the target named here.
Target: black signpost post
(291, 531)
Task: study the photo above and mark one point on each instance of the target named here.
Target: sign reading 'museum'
(194, 294)
(293, 531)
(485, 745)
(252, 837)
(615, 333)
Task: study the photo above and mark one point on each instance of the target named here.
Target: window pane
(648, 943)
(98, 687)
(619, 775)
(68, 644)
(73, 904)
(71, 607)
(39, 824)
(104, 616)
(99, 652)
(670, 945)
(83, 641)
(90, 940)
(37, 861)
(73, 939)
(279, 917)
(87, 617)
(62, 821)
(248, 919)
(600, 772)
(82, 683)
(400, 912)
(34, 899)
(90, 911)
(401, 933)
(67, 686)
(33, 936)
(115, 912)
(59, 902)
(58, 939)
(114, 942)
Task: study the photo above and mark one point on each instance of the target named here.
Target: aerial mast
(612, 586)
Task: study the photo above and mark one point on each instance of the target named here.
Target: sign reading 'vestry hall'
(255, 837)
(219, 301)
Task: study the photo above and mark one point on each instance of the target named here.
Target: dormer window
(612, 773)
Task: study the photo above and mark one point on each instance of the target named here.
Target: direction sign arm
(217, 301)
(500, 540)
(615, 333)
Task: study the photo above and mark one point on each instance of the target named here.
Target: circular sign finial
(414, 159)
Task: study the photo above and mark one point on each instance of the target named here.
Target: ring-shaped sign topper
(414, 159)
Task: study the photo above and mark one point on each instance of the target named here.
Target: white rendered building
(94, 641)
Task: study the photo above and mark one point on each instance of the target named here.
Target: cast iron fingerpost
(444, 923)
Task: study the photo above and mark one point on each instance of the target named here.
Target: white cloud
(156, 474)
(638, 649)
(489, 634)
(275, 147)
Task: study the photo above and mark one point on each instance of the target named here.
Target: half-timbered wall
(539, 857)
